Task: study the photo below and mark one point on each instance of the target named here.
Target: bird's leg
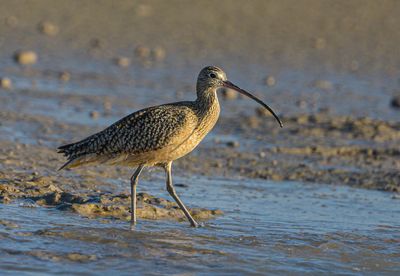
(171, 191)
(134, 182)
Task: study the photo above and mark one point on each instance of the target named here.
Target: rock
(8, 224)
(123, 61)
(25, 57)
(96, 43)
(77, 257)
(107, 105)
(158, 53)
(323, 84)
(354, 66)
(229, 94)
(261, 112)
(48, 28)
(11, 21)
(5, 83)
(395, 103)
(302, 104)
(64, 76)
(144, 10)
(270, 81)
(320, 43)
(94, 114)
(142, 52)
(233, 144)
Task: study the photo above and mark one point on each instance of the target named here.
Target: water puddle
(267, 227)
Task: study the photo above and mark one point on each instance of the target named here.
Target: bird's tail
(67, 151)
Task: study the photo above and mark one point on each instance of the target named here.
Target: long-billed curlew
(156, 136)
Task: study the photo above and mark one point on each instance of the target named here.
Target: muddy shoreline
(315, 148)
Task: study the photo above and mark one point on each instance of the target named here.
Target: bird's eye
(212, 75)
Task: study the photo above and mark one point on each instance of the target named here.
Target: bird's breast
(206, 122)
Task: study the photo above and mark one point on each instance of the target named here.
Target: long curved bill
(230, 85)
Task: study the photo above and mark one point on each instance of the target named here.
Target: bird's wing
(146, 130)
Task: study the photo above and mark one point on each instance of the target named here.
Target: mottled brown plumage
(156, 136)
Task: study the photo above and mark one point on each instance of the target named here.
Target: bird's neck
(207, 111)
(207, 101)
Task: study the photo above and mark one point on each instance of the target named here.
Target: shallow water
(283, 227)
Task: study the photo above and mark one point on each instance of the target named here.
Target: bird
(156, 136)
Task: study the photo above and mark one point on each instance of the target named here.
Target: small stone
(229, 94)
(142, 52)
(261, 112)
(270, 81)
(302, 104)
(395, 103)
(11, 21)
(159, 53)
(64, 76)
(107, 105)
(144, 10)
(5, 83)
(354, 66)
(25, 57)
(233, 144)
(302, 119)
(323, 84)
(320, 43)
(94, 114)
(96, 43)
(48, 28)
(262, 154)
(123, 61)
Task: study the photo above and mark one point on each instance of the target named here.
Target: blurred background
(320, 195)
(342, 56)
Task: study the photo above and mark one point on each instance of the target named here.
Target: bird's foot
(197, 225)
(132, 227)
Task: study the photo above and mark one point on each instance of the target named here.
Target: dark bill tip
(230, 85)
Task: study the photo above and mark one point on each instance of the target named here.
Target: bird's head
(211, 78)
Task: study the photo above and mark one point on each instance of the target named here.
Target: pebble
(233, 144)
(11, 21)
(261, 112)
(323, 84)
(395, 103)
(64, 76)
(159, 53)
(144, 10)
(270, 81)
(5, 83)
(26, 57)
(96, 43)
(142, 52)
(302, 104)
(229, 94)
(354, 65)
(320, 43)
(123, 61)
(107, 105)
(94, 114)
(48, 28)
